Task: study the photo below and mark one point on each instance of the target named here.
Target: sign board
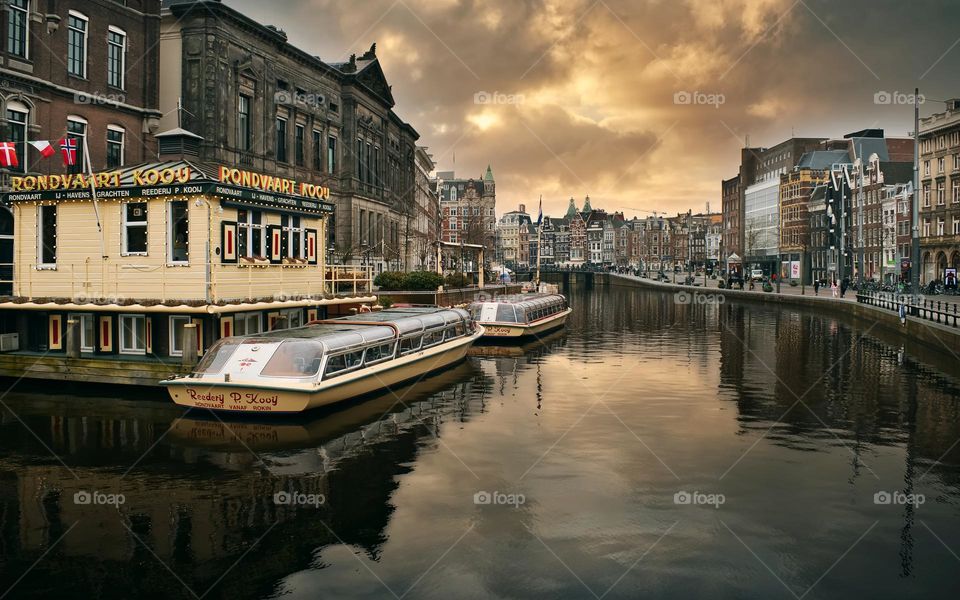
(795, 269)
(235, 186)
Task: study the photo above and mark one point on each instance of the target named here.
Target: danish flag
(68, 147)
(8, 155)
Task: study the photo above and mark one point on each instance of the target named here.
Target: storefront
(165, 245)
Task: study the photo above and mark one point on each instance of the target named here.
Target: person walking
(816, 287)
(833, 287)
(843, 286)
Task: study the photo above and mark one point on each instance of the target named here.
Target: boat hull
(257, 398)
(517, 330)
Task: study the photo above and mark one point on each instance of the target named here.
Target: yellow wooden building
(167, 244)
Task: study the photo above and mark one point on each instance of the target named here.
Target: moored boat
(521, 316)
(294, 370)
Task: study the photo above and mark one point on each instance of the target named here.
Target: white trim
(125, 350)
(125, 224)
(123, 57)
(172, 328)
(123, 143)
(56, 220)
(26, 22)
(169, 235)
(86, 42)
(81, 317)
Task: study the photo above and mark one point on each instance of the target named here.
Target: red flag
(45, 148)
(68, 147)
(8, 155)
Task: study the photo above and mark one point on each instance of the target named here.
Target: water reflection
(797, 418)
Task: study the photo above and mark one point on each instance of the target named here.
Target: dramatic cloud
(638, 103)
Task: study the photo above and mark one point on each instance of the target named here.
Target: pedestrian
(816, 287)
(833, 287)
(843, 286)
(903, 313)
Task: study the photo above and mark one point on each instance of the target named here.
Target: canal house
(134, 255)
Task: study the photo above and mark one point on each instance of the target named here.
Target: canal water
(654, 449)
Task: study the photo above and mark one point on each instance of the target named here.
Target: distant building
(513, 238)
(468, 209)
(940, 192)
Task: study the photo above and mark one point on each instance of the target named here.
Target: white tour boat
(522, 315)
(294, 370)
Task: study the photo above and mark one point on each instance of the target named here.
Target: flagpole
(93, 192)
(539, 240)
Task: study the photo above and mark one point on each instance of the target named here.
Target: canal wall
(935, 335)
(451, 297)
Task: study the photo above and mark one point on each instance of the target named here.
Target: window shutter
(312, 246)
(228, 246)
(105, 334)
(56, 332)
(274, 232)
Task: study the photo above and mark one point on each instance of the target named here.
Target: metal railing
(128, 282)
(936, 311)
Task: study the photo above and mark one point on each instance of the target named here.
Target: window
(299, 135)
(243, 123)
(331, 155)
(17, 118)
(940, 167)
(247, 323)
(293, 236)
(334, 107)
(250, 234)
(956, 226)
(940, 226)
(135, 228)
(115, 139)
(940, 193)
(926, 167)
(18, 28)
(116, 57)
(410, 344)
(178, 232)
(47, 236)
(87, 331)
(379, 353)
(133, 334)
(77, 130)
(176, 334)
(77, 44)
(343, 362)
(361, 167)
(317, 150)
(290, 319)
(282, 140)
(956, 191)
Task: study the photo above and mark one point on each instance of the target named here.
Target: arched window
(18, 120)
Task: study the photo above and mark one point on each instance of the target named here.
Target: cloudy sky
(642, 104)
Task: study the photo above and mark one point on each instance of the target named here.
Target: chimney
(523, 208)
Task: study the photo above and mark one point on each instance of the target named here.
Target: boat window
(340, 363)
(294, 358)
(378, 353)
(432, 338)
(410, 344)
(459, 329)
(217, 356)
(475, 311)
(506, 313)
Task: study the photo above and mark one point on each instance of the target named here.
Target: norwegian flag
(68, 147)
(8, 155)
(45, 148)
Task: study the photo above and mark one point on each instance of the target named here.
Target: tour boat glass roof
(517, 308)
(298, 352)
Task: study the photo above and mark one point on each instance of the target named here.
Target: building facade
(261, 104)
(940, 192)
(468, 210)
